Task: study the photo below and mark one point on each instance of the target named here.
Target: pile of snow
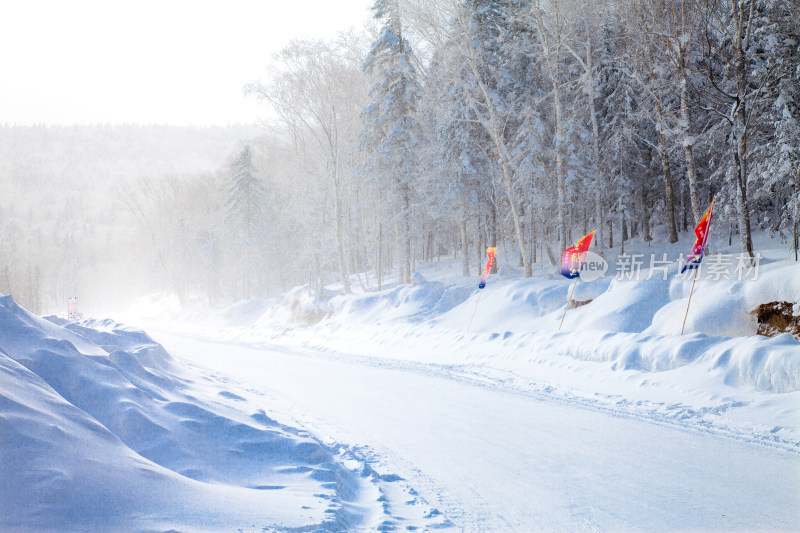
(99, 431)
(635, 324)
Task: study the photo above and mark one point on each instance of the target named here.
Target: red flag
(573, 257)
(702, 230)
(490, 252)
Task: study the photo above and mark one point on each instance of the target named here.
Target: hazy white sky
(149, 61)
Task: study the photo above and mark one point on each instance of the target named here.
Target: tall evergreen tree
(744, 51)
(246, 216)
(392, 132)
(775, 121)
(492, 45)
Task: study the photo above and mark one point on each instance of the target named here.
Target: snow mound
(632, 324)
(98, 432)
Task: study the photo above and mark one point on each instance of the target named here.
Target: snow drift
(99, 432)
(631, 324)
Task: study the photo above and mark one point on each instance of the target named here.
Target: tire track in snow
(402, 506)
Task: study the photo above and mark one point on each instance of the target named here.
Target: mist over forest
(71, 211)
(447, 127)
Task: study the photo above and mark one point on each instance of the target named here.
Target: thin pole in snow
(475, 311)
(568, 301)
(690, 301)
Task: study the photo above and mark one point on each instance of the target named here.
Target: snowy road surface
(493, 458)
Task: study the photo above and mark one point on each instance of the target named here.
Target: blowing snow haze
(110, 111)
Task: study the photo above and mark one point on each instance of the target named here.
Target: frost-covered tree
(392, 134)
(246, 216)
(317, 90)
(775, 153)
(740, 74)
(463, 146)
(676, 25)
(591, 25)
(490, 40)
(552, 30)
(649, 68)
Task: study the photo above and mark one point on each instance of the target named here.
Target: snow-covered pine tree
(775, 138)
(677, 26)
(494, 48)
(737, 75)
(392, 132)
(553, 31)
(584, 45)
(246, 217)
(462, 147)
(651, 72)
(627, 140)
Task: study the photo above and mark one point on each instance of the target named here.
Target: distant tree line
(82, 206)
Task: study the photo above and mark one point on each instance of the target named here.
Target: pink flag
(702, 231)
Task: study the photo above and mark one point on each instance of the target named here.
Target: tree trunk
(610, 234)
(668, 189)
(405, 238)
(663, 151)
(533, 236)
(552, 58)
(528, 272)
(598, 181)
(341, 249)
(646, 226)
(492, 233)
(740, 135)
(796, 216)
(560, 163)
(624, 230)
(464, 247)
(743, 217)
(378, 260)
(688, 144)
(479, 245)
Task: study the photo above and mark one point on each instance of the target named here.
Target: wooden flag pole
(690, 299)
(475, 311)
(568, 301)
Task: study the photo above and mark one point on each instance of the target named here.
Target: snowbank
(99, 433)
(632, 324)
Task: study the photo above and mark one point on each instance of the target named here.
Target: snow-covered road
(491, 457)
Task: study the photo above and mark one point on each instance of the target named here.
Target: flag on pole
(702, 231)
(490, 252)
(574, 256)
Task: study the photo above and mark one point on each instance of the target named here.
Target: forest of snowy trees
(456, 125)
(524, 123)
